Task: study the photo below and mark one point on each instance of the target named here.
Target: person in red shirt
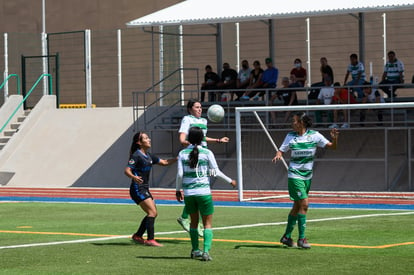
(299, 72)
(341, 96)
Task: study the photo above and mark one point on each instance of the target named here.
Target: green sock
(290, 225)
(301, 225)
(184, 215)
(194, 238)
(208, 239)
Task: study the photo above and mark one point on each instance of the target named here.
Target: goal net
(373, 155)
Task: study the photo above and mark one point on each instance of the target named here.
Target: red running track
(406, 198)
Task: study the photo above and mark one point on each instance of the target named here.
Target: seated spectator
(269, 78)
(393, 74)
(210, 83)
(341, 96)
(299, 72)
(357, 71)
(228, 79)
(288, 96)
(243, 79)
(371, 96)
(255, 81)
(325, 70)
(325, 98)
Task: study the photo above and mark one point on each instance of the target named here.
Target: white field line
(215, 229)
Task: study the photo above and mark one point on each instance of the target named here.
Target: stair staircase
(11, 129)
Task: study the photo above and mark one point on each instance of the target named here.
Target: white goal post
(239, 111)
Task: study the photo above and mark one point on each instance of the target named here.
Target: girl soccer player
(194, 118)
(302, 142)
(138, 170)
(195, 165)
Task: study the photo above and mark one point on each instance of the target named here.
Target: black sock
(150, 228)
(142, 227)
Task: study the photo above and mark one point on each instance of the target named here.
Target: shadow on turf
(163, 257)
(132, 243)
(258, 246)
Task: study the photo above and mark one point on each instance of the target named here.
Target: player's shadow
(163, 257)
(114, 244)
(258, 246)
(127, 243)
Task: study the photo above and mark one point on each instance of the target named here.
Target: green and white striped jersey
(356, 69)
(189, 121)
(393, 70)
(303, 152)
(196, 181)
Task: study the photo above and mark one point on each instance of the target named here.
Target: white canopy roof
(222, 11)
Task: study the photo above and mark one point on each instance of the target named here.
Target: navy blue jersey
(141, 165)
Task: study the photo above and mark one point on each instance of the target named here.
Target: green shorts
(298, 189)
(202, 204)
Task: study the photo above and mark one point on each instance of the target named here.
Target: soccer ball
(215, 113)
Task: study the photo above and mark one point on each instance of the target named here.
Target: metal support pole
(88, 66)
(161, 61)
(361, 28)
(119, 67)
(384, 36)
(6, 66)
(219, 48)
(308, 62)
(271, 38)
(181, 54)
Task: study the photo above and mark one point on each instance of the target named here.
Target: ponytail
(195, 136)
(194, 157)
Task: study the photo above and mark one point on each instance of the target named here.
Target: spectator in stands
(243, 79)
(255, 81)
(210, 83)
(371, 96)
(269, 78)
(341, 96)
(325, 70)
(393, 74)
(357, 71)
(325, 98)
(228, 79)
(299, 72)
(287, 95)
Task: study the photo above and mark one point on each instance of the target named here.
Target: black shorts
(139, 193)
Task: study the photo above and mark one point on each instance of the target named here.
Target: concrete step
(2, 145)
(4, 139)
(14, 126)
(21, 119)
(9, 133)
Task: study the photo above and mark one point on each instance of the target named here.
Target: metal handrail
(7, 79)
(150, 90)
(27, 95)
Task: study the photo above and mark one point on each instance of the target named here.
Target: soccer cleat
(244, 98)
(286, 241)
(196, 254)
(333, 126)
(153, 243)
(345, 125)
(206, 257)
(303, 243)
(137, 239)
(185, 223)
(200, 230)
(256, 98)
